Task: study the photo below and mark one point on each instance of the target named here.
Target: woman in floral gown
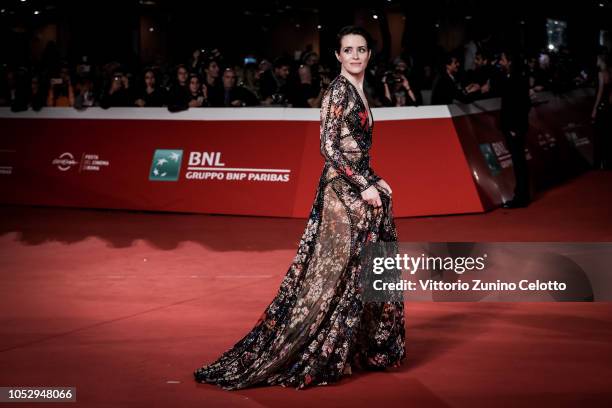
(317, 327)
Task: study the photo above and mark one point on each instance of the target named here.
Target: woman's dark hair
(141, 82)
(147, 70)
(352, 30)
(208, 62)
(193, 75)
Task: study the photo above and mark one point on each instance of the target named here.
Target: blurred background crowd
(224, 73)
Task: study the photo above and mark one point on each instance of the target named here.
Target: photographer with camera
(398, 91)
(117, 95)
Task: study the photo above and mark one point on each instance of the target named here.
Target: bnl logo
(166, 165)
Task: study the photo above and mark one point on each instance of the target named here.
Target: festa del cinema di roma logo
(89, 162)
(166, 166)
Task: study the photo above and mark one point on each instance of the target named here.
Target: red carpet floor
(125, 305)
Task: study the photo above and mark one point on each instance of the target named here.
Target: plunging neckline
(367, 106)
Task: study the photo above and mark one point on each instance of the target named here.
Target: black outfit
(117, 99)
(446, 89)
(130, 93)
(156, 98)
(227, 96)
(215, 93)
(272, 86)
(538, 76)
(24, 98)
(481, 76)
(514, 122)
(178, 98)
(602, 143)
(302, 93)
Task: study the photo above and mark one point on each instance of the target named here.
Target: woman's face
(149, 80)
(194, 85)
(181, 75)
(354, 54)
(213, 69)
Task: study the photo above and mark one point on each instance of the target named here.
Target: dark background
(146, 31)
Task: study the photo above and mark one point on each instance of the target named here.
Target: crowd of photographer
(207, 80)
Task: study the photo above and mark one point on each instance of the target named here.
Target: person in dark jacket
(232, 95)
(274, 87)
(514, 122)
(483, 75)
(28, 93)
(178, 96)
(212, 81)
(447, 87)
(151, 95)
(116, 95)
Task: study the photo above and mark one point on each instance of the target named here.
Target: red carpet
(124, 305)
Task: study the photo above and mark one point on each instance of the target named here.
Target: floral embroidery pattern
(317, 328)
(363, 116)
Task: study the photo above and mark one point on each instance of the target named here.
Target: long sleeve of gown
(333, 109)
(372, 176)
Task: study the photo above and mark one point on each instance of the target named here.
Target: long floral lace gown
(317, 327)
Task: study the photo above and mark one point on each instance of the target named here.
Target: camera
(392, 77)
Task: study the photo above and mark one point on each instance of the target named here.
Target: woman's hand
(371, 196)
(384, 185)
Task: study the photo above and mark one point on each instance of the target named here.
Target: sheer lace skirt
(317, 328)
